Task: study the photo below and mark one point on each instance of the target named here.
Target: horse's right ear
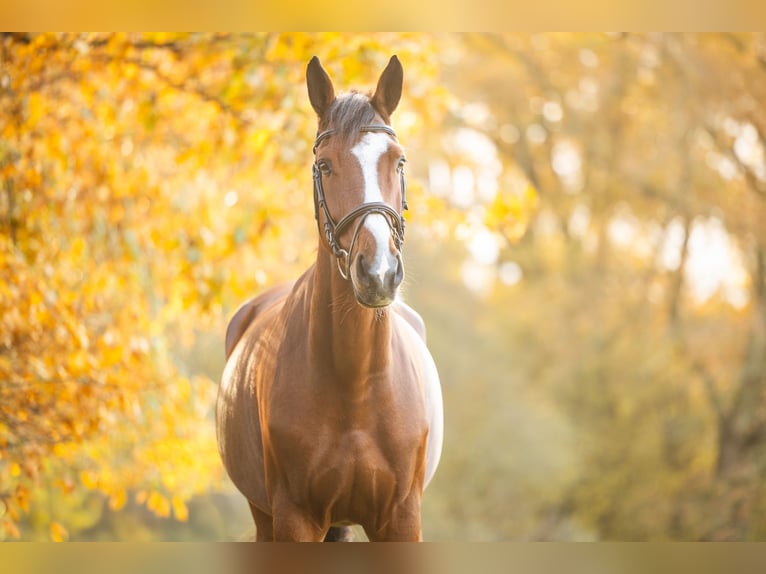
(321, 92)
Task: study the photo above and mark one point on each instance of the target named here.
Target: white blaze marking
(368, 151)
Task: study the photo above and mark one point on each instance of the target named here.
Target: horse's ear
(389, 89)
(321, 92)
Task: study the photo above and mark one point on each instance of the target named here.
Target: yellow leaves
(158, 504)
(121, 163)
(35, 298)
(130, 70)
(147, 114)
(89, 479)
(289, 47)
(257, 139)
(509, 213)
(118, 499)
(111, 354)
(78, 362)
(58, 533)
(164, 37)
(180, 509)
(77, 248)
(35, 108)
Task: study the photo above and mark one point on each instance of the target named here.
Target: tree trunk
(742, 429)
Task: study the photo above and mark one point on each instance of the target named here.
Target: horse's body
(329, 411)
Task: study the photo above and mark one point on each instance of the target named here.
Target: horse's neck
(345, 338)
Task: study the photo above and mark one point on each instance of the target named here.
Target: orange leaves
(22, 497)
(120, 151)
(65, 485)
(10, 529)
(14, 501)
(58, 533)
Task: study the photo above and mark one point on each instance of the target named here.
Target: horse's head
(359, 182)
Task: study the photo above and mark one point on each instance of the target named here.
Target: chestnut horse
(330, 409)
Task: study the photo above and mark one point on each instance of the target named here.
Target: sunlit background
(586, 243)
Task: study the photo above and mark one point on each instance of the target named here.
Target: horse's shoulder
(247, 312)
(412, 317)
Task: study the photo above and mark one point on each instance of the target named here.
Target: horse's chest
(348, 458)
(356, 471)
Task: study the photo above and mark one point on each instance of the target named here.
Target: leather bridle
(334, 230)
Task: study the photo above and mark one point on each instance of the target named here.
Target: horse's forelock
(349, 113)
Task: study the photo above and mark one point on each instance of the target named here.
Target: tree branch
(179, 86)
(752, 180)
(711, 389)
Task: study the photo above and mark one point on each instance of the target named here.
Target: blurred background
(586, 243)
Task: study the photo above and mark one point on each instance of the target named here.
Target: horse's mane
(348, 113)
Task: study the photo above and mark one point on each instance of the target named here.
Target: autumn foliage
(138, 174)
(585, 241)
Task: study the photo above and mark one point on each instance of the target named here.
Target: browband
(371, 128)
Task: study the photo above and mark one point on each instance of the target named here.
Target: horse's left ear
(389, 89)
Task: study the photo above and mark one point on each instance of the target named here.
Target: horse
(329, 412)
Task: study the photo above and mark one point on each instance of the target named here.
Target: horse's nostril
(361, 268)
(394, 275)
(399, 275)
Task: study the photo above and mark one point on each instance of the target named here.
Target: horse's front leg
(264, 525)
(292, 524)
(402, 526)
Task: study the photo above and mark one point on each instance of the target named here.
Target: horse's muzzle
(375, 282)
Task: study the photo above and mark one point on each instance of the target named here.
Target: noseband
(334, 230)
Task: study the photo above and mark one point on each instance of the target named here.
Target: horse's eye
(324, 167)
